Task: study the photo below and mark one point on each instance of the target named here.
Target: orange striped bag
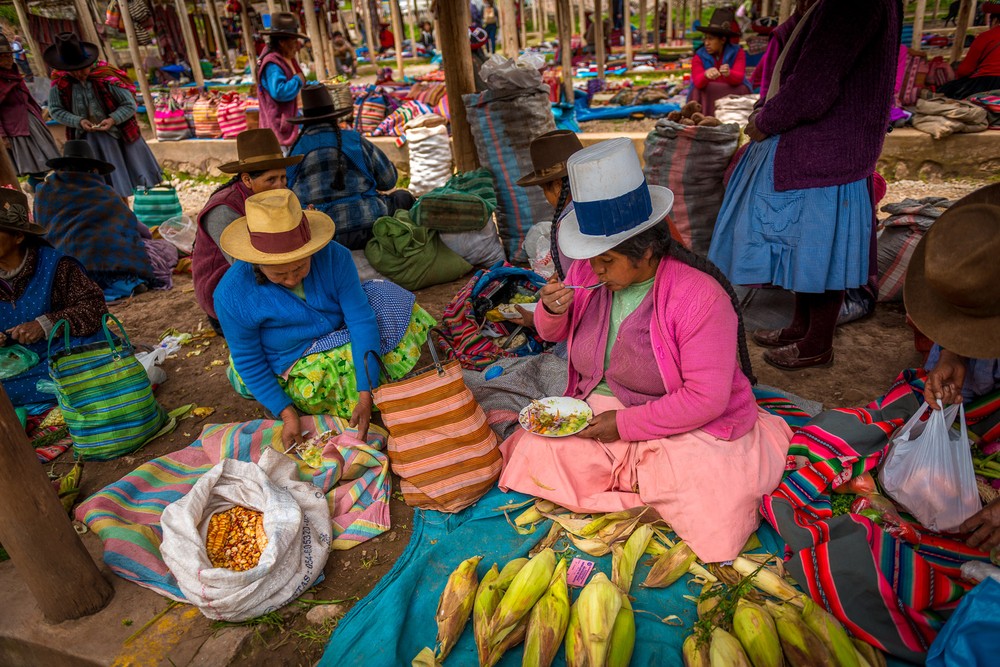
(440, 445)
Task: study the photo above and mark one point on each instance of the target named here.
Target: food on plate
(236, 538)
(554, 418)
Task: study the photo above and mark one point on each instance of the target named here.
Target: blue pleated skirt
(810, 240)
(135, 164)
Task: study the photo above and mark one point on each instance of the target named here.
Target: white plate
(565, 406)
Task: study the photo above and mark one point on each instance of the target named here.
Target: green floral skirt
(325, 382)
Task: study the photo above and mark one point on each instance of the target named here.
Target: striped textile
(126, 514)
(440, 445)
(888, 592)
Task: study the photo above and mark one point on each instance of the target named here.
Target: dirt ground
(870, 354)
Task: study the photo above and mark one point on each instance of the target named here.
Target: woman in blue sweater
(298, 321)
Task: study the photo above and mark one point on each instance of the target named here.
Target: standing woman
(281, 78)
(798, 212)
(96, 103)
(23, 132)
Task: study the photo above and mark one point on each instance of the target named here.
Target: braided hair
(657, 239)
(564, 194)
(339, 180)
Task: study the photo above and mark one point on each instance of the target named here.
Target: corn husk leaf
(626, 557)
(455, 605)
(671, 566)
(487, 599)
(600, 600)
(622, 641)
(426, 658)
(549, 541)
(767, 581)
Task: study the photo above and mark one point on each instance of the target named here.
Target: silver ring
(558, 302)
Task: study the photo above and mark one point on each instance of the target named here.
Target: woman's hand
(87, 126)
(944, 383)
(525, 318)
(291, 431)
(752, 131)
(712, 73)
(555, 297)
(362, 415)
(603, 428)
(27, 333)
(106, 124)
(984, 526)
(724, 70)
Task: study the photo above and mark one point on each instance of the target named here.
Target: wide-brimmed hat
(723, 23)
(258, 150)
(79, 156)
(318, 105)
(765, 25)
(5, 46)
(611, 200)
(549, 153)
(14, 216)
(951, 291)
(68, 53)
(276, 230)
(284, 24)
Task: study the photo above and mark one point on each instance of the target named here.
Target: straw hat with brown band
(258, 150)
(951, 291)
(549, 153)
(276, 230)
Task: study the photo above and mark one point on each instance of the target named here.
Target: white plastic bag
(151, 362)
(180, 231)
(929, 470)
(430, 153)
(482, 248)
(538, 248)
(296, 521)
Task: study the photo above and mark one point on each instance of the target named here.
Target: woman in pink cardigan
(660, 355)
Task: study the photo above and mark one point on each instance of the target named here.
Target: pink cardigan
(694, 340)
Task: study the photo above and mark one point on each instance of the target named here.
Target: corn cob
(600, 600)
(800, 644)
(670, 567)
(626, 557)
(831, 632)
(695, 654)
(622, 641)
(527, 586)
(754, 627)
(455, 605)
(515, 637)
(707, 605)
(726, 650)
(487, 598)
(547, 621)
(767, 581)
(874, 656)
(528, 517)
(576, 654)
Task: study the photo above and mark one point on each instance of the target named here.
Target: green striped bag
(105, 395)
(154, 205)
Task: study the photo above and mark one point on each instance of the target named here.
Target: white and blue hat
(611, 200)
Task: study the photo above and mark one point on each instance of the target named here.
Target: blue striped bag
(104, 394)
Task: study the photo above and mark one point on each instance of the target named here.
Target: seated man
(341, 173)
(344, 52)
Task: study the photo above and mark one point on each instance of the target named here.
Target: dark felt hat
(68, 53)
(951, 282)
(258, 150)
(549, 153)
(318, 105)
(722, 23)
(79, 156)
(14, 213)
(284, 24)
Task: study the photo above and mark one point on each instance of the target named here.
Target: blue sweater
(268, 328)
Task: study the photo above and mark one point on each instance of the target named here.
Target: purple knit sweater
(832, 108)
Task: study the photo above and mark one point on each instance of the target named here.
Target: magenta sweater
(832, 109)
(693, 336)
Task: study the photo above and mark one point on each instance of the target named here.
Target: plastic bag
(538, 248)
(180, 231)
(296, 521)
(929, 470)
(500, 73)
(16, 359)
(480, 248)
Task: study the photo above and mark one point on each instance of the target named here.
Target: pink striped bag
(206, 118)
(232, 115)
(171, 125)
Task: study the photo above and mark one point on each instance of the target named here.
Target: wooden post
(453, 40)
(508, 27)
(599, 39)
(937, 9)
(369, 31)
(965, 10)
(35, 531)
(86, 21)
(248, 41)
(36, 55)
(564, 24)
(312, 29)
(397, 34)
(670, 21)
(643, 20)
(627, 28)
(191, 46)
(411, 21)
(272, 8)
(222, 48)
(765, 8)
(918, 23)
(581, 7)
(656, 25)
(140, 74)
(523, 23)
(785, 11)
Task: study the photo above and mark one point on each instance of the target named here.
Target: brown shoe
(787, 358)
(775, 337)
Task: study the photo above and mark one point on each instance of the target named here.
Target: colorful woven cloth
(48, 434)
(126, 514)
(885, 590)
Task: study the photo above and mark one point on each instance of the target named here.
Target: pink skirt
(708, 490)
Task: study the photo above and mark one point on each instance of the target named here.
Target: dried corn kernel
(236, 538)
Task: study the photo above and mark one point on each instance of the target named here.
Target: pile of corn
(236, 538)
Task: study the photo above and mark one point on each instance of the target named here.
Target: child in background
(344, 52)
(719, 66)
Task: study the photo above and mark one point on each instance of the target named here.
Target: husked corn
(236, 538)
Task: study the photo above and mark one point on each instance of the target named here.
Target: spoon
(584, 287)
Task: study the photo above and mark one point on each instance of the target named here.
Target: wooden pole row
(247, 30)
(599, 39)
(397, 35)
(627, 28)
(369, 30)
(564, 23)
(453, 19)
(140, 74)
(191, 46)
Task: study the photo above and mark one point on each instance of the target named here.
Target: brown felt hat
(258, 150)
(952, 290)
(14, 213)
(723, 23)
(549, 153)
(284, 24)
(318, 105)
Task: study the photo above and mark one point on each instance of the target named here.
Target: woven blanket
(126, 514)
(885, 590)
(48, 434)
(464, 203)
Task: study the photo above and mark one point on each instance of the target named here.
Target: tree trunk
(453, 39)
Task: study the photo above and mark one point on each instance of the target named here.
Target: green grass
(3, 554)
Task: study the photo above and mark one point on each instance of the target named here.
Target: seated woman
(659, 354)
(38, 287)
(87, 220)
(341, 173)
(980, 70)
(260, 168)
(719, 66)
(300, 324)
